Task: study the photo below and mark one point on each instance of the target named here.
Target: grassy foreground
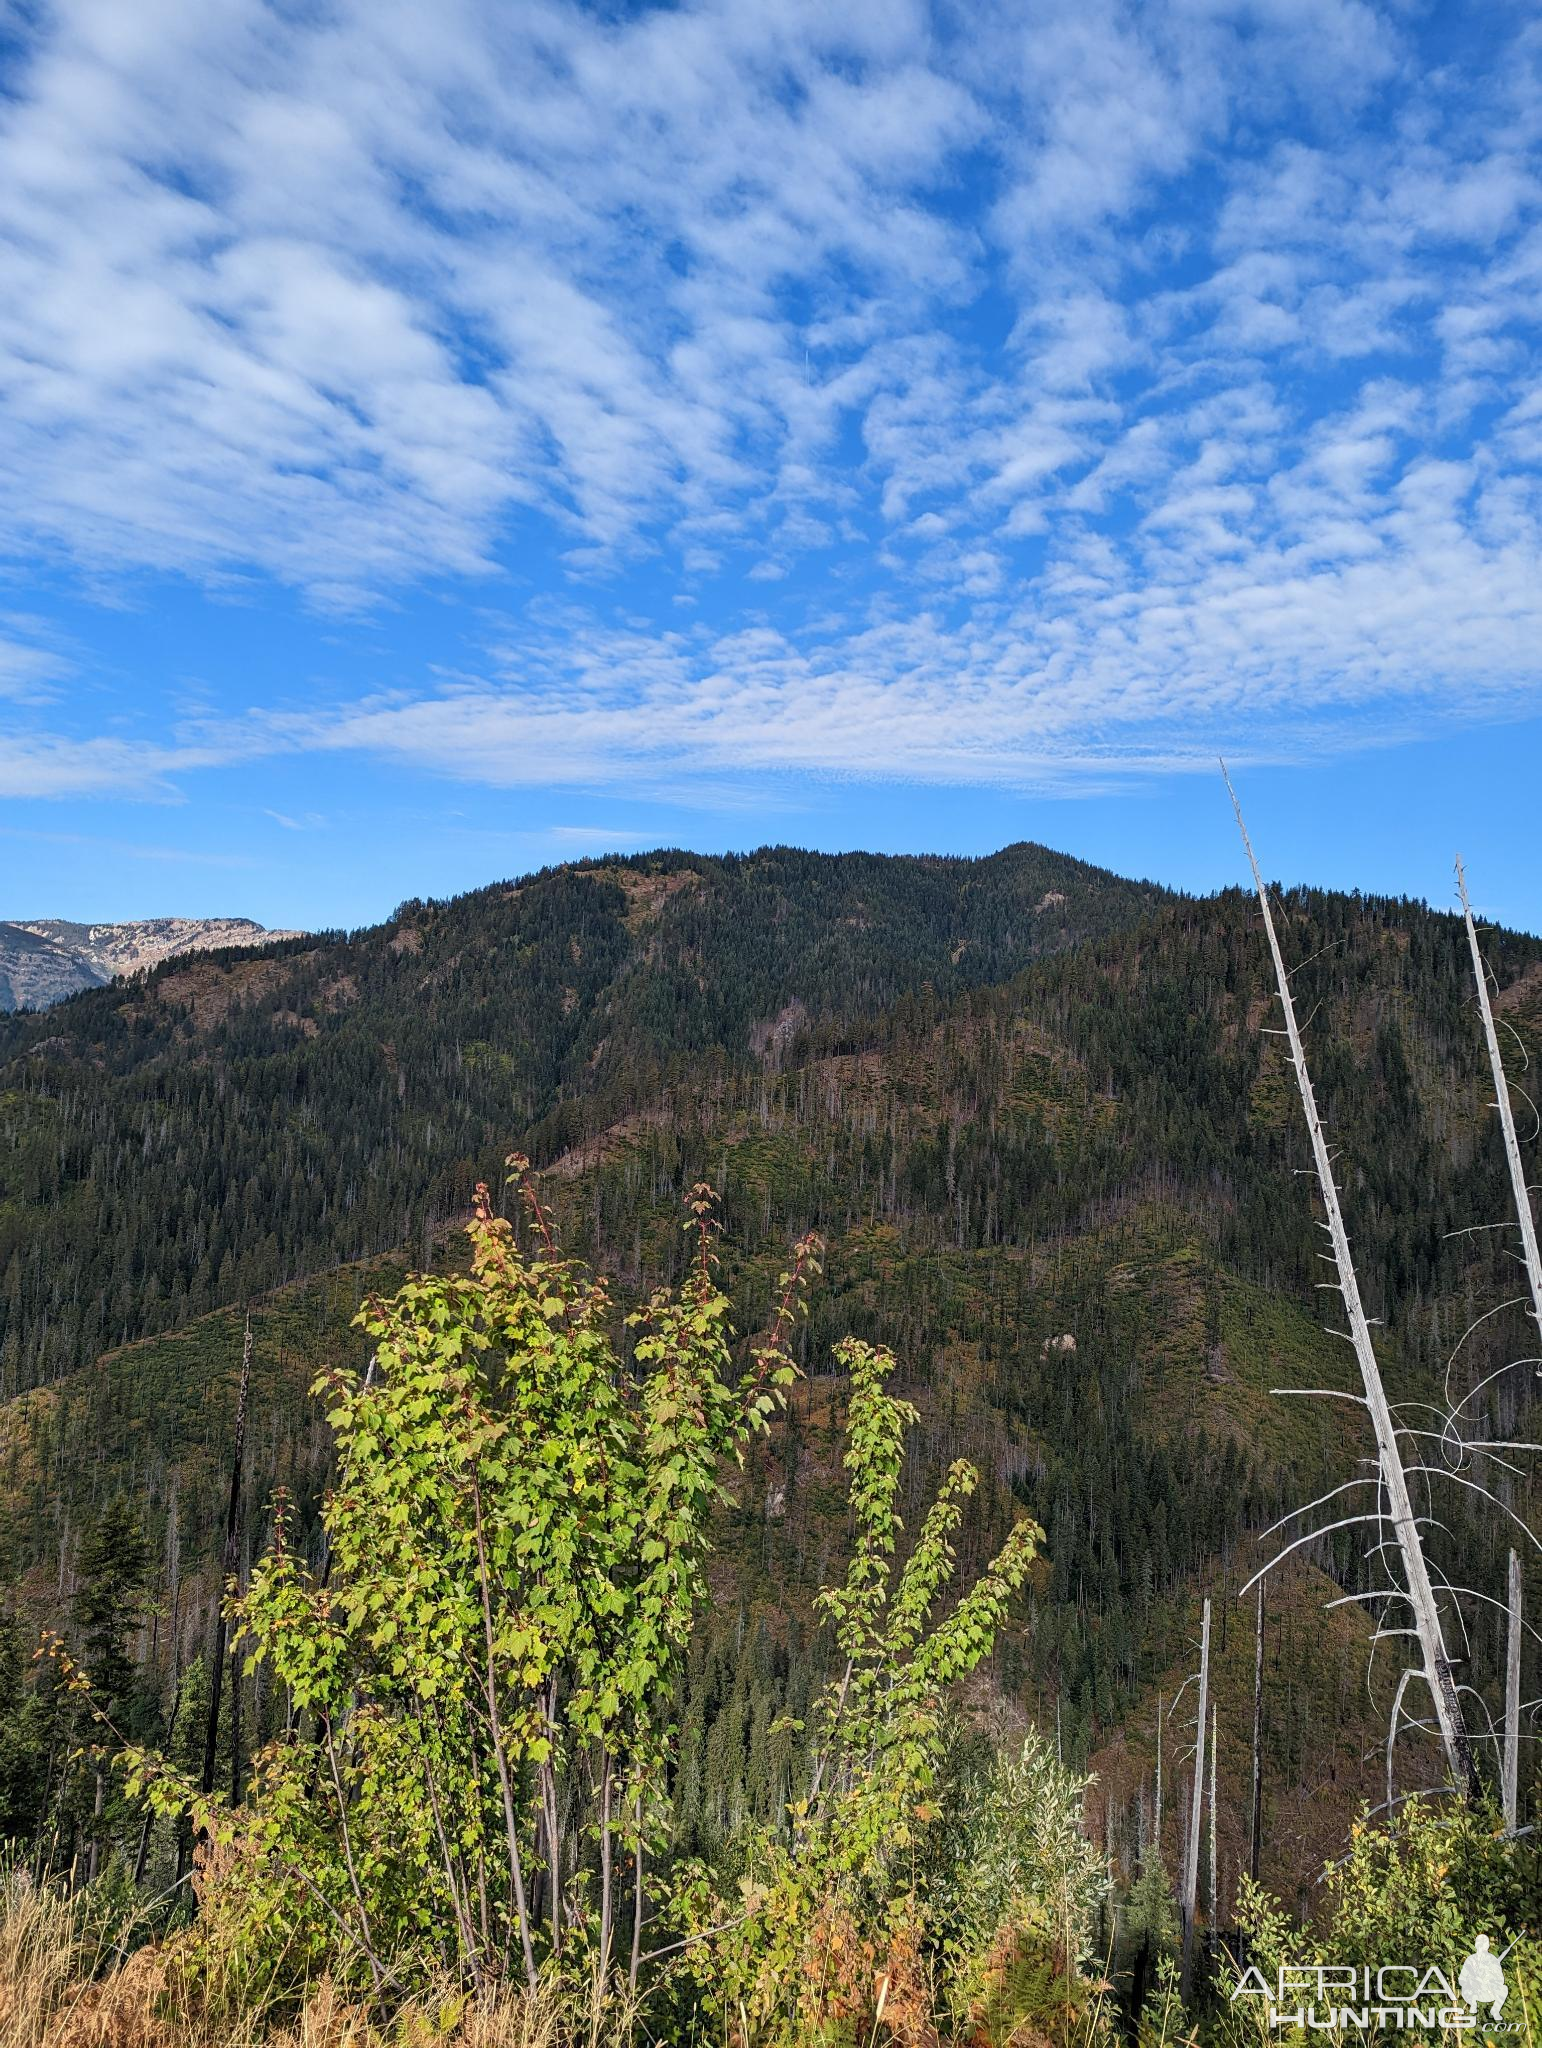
(65, 1985)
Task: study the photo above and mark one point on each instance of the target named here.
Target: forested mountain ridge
(1064, 1189)
(240, 1119)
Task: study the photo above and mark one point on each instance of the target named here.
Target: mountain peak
(45, 959)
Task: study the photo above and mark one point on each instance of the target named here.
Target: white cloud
(30, 669)
(596, 835)
(330, 297)
(1142, 375)
(52, 765)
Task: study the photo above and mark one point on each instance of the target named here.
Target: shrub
(1415, 1890)
(842, 1919)
(480, 1680)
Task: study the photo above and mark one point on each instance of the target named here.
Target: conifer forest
(776, 1450)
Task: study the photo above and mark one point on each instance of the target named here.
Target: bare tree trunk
(1511, 1775)
(142, 1852)
(607, 1871)
(1523, 1216)
(1258, 1739)
(551, 1820)
(1157, 1837)
(637, 1897)
(1190, 1899)
(235, 1726)
(1438, 1674)
(94, 1853)
(1214, 1873)
(551, 1877)
(228, 1562)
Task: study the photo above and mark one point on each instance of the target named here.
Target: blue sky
(435, 441)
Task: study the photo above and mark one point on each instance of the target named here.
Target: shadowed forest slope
(1030, 1107)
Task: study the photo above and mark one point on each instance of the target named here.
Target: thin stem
(637, 1896)
(607, 1868)
(353, 1875)
(500, 1753)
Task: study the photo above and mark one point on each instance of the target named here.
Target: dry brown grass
(39, 1960)
(61, 1989)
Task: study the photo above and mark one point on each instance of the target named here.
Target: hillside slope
(1061, 1182)
(238, 1119)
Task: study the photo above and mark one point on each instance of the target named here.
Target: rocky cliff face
(43, 960)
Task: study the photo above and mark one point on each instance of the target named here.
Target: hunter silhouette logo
(1395, 1997)
(1482, 1979)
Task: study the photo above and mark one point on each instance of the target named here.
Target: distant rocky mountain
(45, 959)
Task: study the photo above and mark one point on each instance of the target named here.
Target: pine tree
(112, 1586)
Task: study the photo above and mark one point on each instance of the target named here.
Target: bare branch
(1515, 1301)
(1311, 1536)
(1444, 1472)
(1321, 1394)
(1498, 1373)
(1471, 1593)
(1332, 1493)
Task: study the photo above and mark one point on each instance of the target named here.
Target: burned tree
(1394, 1503)
(229, 1559)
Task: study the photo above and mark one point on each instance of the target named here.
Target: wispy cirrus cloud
(31, 666)
(61, 765)
(951, 395)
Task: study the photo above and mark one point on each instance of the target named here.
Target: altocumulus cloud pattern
(977, 393)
